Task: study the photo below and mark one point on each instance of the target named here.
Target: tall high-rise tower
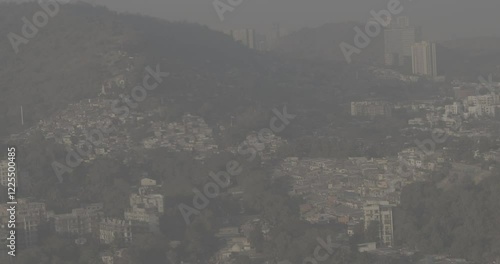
(424, 59)
(399, 36)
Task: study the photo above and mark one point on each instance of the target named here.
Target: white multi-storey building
(482, 110)
(380, 212)
(482, 105)
(486, 100)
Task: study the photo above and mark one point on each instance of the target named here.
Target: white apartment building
(486, 100)
(381, 212)
(482, 105)
(482, 110)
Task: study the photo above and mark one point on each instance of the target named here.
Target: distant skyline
(441, 20)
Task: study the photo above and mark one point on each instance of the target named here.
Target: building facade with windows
(380, 212)
(424, 60)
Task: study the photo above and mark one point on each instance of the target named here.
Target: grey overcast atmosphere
(442, 19)
(249, 132)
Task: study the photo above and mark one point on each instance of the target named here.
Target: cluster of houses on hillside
(191, 134)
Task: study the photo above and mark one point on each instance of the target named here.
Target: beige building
(371, 108)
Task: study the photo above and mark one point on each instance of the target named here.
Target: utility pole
(22, 116)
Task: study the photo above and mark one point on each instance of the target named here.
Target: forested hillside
(462, 221)
(83, 46)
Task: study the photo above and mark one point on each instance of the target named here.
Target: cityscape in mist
(250, 132)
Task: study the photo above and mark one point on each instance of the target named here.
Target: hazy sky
(441, 19)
